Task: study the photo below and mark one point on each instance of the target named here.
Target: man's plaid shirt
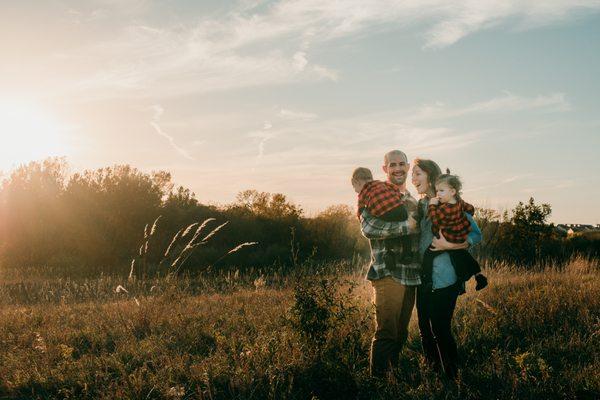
(451, 220)
(379, 197)
(377, 231)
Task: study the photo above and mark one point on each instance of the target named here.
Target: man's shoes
(481, 282)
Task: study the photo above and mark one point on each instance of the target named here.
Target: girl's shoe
(481, 282)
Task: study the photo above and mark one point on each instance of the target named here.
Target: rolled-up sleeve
(475, 236)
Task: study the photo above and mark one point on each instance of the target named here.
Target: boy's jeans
(394, 303)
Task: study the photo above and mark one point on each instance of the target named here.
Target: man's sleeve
(475, 235)
(374, 228)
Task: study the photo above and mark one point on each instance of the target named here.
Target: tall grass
(291, 334)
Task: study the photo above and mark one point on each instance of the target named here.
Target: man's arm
(374, 228)
(473, 238)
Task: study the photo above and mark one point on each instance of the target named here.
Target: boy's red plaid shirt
(450, 218)
(379, 197)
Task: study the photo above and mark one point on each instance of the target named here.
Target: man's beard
(398, 180)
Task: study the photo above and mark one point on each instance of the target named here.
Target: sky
(290, 96)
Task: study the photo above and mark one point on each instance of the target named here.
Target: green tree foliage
(108, 208)
(335, 233)
(524, 236)
(95, 220)
(267, 205)
(90, 219)
(31, 210)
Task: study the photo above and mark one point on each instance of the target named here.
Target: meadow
(290, 335)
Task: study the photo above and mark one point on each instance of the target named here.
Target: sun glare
(28, 133)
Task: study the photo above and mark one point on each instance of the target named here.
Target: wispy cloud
(508, 102)
(297, 115)
(304, 140)
(263, 136)
(158, 112)
(501, 182)
(256, 44)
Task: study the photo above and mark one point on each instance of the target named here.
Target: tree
(335, 232)
(267, 205)
(108, 208)
(525, 237)
(30, 211)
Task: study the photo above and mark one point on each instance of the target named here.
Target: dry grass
(529, 335)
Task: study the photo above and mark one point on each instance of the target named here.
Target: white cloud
(263, 136)
(158, 112)
(502, 182)
(298, 115)
(508, 102)
(300, 61)
(265, 44)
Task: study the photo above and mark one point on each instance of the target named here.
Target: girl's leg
(443, 303)
(430, 348)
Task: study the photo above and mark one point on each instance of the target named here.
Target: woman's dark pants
(435, 309)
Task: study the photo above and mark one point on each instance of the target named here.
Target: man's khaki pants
(394, 303)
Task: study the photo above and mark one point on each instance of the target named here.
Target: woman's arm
(473, 238)
(475, 235)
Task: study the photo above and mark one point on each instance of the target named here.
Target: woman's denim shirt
(443, 274)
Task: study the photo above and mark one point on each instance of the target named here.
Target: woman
(435, 308)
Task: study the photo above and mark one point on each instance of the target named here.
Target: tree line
(100, 220)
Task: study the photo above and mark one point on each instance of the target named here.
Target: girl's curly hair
(451, 180)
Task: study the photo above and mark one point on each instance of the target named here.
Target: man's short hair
(362, 174)
(389, 154)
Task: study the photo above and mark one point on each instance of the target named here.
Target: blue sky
(290, 96)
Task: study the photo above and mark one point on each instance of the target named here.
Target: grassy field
(529, 335)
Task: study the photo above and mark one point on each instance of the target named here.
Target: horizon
(306, 213)
(290, 96)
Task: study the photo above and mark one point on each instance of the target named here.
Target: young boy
(383, 200)
(447, 213)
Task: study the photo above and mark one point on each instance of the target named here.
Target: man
(394, 283)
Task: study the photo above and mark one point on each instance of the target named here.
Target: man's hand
(434, 201)
(442, 244)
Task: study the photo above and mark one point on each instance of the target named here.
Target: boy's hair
(451, 180)
(362, 174)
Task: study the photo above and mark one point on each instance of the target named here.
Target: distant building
(571, 229)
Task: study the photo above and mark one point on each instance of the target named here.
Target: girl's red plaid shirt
(451, 220)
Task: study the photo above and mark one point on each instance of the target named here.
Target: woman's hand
(434, 201)
(442, 244)
(412, 224)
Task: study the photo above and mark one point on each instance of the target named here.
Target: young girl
(447, 213)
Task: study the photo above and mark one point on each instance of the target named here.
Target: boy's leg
(398, 214)
(389, 257)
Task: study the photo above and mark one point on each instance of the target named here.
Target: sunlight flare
(29, 133)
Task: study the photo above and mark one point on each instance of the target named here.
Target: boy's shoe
(481, 282)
